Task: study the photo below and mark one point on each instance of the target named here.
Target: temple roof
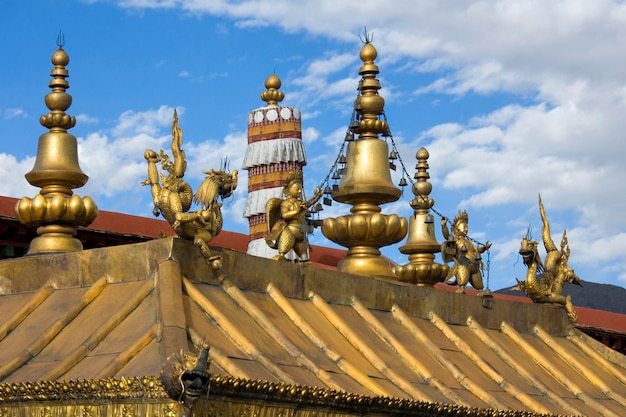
(122, 311)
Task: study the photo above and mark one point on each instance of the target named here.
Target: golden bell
(57, 162)
(367, 177)
(421, 237)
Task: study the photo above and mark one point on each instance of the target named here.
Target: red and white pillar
(274, 149)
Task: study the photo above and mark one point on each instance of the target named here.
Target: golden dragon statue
(172, 196)
(545, 280)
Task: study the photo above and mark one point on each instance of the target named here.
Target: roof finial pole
(421, 244)
(366, 37)
(366, 183)
(60, 39)
(55, 211)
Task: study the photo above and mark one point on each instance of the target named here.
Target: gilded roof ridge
(342, 363)
(124, 357)
(519, 367)
(461, 377)
(243, 342)
(53, 330)
(414, 363)
(553, 370)
(578, 339)
(257, 314)
(375, 359)
(584, 370)
(99, 334)
(19, 316)
(485, 367)
(216, 356)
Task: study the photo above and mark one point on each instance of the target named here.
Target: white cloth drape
(258, 199)
(274, 151)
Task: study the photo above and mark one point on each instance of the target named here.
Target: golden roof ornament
(366, 184)
(421, 244)
(545, 280)
(172, 196)
(286, 219)
(467, 261)
(56, 211)
(272, 96)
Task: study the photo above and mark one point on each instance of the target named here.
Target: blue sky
(511, 98)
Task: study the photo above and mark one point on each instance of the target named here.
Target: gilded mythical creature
(544, 281)
(185, 377)
(172, 196)
(458, 248)
(286, 219)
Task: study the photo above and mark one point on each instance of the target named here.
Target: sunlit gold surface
(286, 219)
(466, 257)
(56, 212)
(366, 184)
(555, 272)
(272, 96)
(172, 196)
(367, 178)
(284, 333)
(421, 244)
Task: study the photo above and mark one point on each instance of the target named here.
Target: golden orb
(60, 58)
(272, 82)
(368, 53)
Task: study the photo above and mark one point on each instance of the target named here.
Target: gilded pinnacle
(272, 96)
(369, 105)
(421, 243)
(55, 211)
(366, 184)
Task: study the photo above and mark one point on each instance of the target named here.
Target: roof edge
(224, 387)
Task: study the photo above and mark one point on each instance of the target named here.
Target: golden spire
(366, 184)
(55, 211)
(421, 244)
(272, 96)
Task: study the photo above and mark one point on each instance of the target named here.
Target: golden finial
(369, 104)
(272, 96)
(366, 183)
(421, 243)
(55, 211)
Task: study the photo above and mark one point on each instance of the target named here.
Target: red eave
(145, 228)
(587, 317)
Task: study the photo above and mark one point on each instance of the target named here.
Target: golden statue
(459, 249)
(544, 281)
(185, 377)
(286, 219)
(172, 197)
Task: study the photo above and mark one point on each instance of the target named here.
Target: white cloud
(555, 67)
(85, 118)
(115, 164)
(310, 135)
(11, 113)
(318, 83)
(148, 122)
(12, 171)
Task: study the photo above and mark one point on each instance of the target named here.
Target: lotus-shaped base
(422, 274)
(56, 219)
(364, 234)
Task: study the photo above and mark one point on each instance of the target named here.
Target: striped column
(274, 149)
